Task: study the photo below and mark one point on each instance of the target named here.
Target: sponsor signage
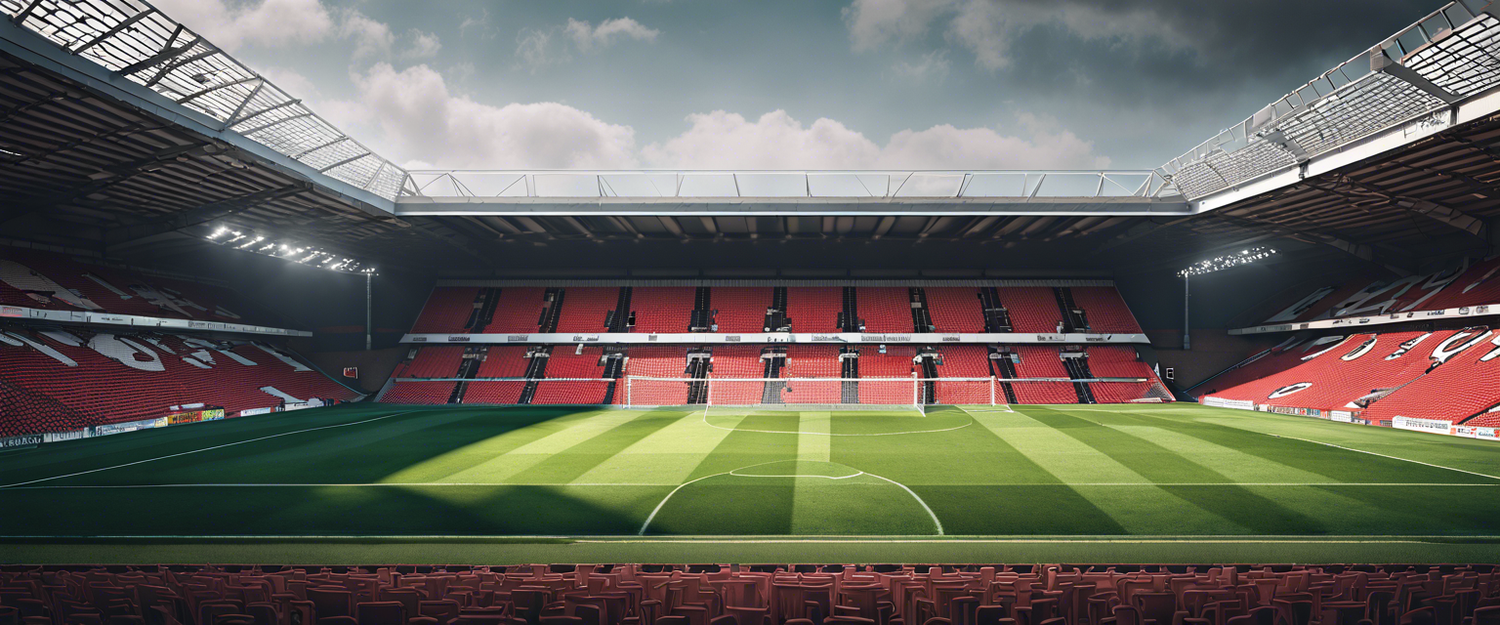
(195, 416)
(73, 316)
(1421, 425)
(1398, 317)
(1295, 410)
(351, 372)
(627, 338)
(29, 440)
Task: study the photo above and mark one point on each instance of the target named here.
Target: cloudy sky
(790, 84)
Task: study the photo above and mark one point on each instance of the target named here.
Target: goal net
(871, 394)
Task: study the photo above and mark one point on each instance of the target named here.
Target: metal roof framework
(145, 46)
(764, 193)
(1390, 165)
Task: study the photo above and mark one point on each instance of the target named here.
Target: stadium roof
(125, 132)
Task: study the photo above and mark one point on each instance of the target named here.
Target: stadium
(254, 372)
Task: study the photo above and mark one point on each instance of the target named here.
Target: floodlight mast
(1212, 265)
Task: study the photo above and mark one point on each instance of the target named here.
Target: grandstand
(231, 333)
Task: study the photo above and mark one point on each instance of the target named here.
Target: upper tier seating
(64, 379)
(1042, 362)
(448, 310)
(741, 308)
(517, 311)
(885, 308)
(1105, 309)
(433, 362)
(814, 308)
(1479, 285)
(1032, 308)
(662, 308)
(955, 308)
(36, 279)
(586, 308)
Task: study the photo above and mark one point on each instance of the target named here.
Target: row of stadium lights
(293, 252)
(1227, 261)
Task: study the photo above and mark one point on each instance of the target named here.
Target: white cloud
(266, 23)
(412, 117)
(933, 67)
(988, 28)
(424, 45)
(534, 50)
(372, 39)
(538, 48)
(778, 141)
(587, 36)
(421, 122)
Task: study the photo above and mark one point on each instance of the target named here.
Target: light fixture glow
(286, 250)
(1227, 261)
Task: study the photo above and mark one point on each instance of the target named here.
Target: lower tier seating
(1449, 375)
(68, 378)
(895, 365)
(795, 362)
(631, 594)
(1116, 361)
(1042, 362)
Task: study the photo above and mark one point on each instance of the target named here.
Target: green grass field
(373, 483)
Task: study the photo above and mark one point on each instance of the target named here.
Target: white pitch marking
(186, 453)
(731, 472)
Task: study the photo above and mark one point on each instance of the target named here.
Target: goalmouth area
(1175, 483)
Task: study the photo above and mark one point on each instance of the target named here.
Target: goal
(791, 394)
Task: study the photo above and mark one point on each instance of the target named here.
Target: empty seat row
(459, 309)
(756, 595)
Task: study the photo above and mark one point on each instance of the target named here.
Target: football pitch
(381, 483)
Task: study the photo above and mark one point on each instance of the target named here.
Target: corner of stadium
(254, 373)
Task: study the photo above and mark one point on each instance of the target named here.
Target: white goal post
(812, 393)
